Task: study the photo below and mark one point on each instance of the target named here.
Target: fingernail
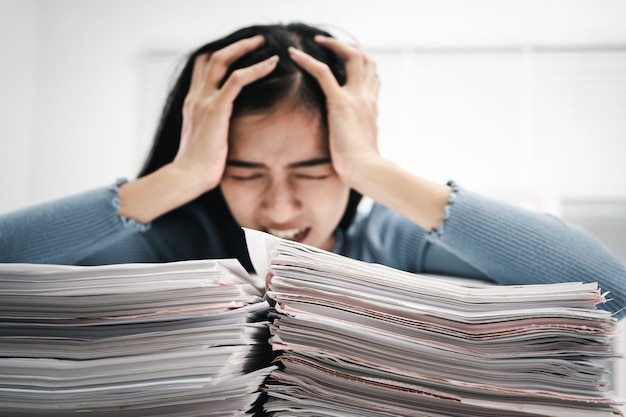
(293, 50)
(273, 59)
(319, 37)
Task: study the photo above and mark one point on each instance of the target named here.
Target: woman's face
(279, 177)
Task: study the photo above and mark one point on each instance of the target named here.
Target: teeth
(289, 234)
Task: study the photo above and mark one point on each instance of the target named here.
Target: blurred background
(524, 100)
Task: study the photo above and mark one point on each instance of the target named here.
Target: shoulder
(381, 235)
(381, 222)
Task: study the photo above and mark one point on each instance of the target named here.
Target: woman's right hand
(199, 163)
(208, 107)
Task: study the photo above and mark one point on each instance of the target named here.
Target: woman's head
(287, 83)
(279, 177)
(286, 87)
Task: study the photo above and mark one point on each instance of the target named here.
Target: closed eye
(246, 177)
(311, 177)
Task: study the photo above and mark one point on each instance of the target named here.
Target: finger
(343, 49)
(244, 76)
(198, 75)
(319, 70)
(357, 65)
(370, 70)
(221, 59)
(370, 65)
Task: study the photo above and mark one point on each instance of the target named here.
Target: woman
(274, 128)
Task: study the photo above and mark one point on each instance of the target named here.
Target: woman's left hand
(352, 124)
(352, 108)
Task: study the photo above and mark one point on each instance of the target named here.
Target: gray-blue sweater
(480, 238)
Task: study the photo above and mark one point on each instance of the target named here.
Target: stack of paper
(177, 339)
(358, 339)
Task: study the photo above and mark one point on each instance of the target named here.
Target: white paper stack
(357, 339)
(174, 339)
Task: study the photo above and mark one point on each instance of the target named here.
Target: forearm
(168, 188)
(504, 243)
(418, 199)
(513, 246)
(65, 230)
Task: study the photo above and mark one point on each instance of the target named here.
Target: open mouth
(297, 235)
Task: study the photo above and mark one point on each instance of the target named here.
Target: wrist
(357, 170)
(362, 171)
(194, 177)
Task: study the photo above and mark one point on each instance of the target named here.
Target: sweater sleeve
(510, 245)
(488, 240)
(66, 230)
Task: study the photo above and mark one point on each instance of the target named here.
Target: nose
(281, 202)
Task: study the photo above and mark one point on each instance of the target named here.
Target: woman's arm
(352, 115)
(513, 246)
(494, 240)
(419, 200)
(485, 239)
(65, 230)
(199, 164)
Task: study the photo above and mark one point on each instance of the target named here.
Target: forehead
(285, 133)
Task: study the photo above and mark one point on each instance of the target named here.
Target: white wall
(70, 97)
(18, 31)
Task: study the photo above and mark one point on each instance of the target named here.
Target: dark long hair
(286, 81)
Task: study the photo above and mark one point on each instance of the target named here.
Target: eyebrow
(243, 164)
(310, 163)
(257, 165)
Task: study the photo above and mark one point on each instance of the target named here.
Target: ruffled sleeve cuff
(132, 224)
(452, 197)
